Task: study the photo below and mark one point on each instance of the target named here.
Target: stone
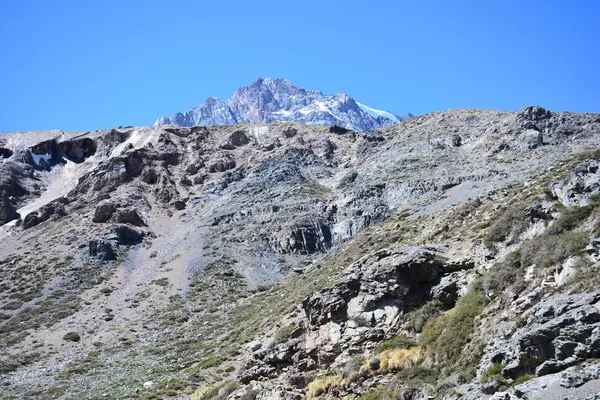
(558, 332)
(451, 287)
(129, 216)
(567, 271)
(221, 164)
(304, 237)
(254, 345)
(534, 113)
(579, 188)
(236, 139)
(101, 249)
(125, 235)
(377, 285)
(53, 210)
(72, 337)
(338, 130)
(104, 211)
(8, 211)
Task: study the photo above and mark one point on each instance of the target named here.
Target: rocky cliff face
(278, 100)
(452, 255)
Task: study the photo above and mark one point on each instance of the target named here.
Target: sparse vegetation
(282, 334)
(374, 394)
(492, 371)
(391, 360)
(397, 342)
(445, 337)
(547, 250)
(512, 222)
(523, 378)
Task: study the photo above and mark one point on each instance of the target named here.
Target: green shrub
(512, 222)
(495, 369)
(523, 379)
(373, 394)
(504, 274)
(282, 334)
(427, 312)
(571, 218)
(250, 395)
(446, 336)
(547, 250)
(397, 342)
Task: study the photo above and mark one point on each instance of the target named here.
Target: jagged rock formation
(455, 251)
(278, 100)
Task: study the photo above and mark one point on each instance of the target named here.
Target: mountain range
(277, 100)
(454, 256)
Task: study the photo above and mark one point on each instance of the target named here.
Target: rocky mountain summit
(454, 255)
(277, 100)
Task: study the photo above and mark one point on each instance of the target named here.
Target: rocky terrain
(277, 100)
(454, 255)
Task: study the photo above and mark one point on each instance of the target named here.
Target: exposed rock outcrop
(581, 186)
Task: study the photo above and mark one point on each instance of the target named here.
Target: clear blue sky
(83, 65)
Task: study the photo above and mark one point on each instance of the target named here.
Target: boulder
(125, 235)
(221, 163)
(55, 209)
(304, 237)
(451, 287)
(558, 332)
(581, 186)
(7, 209)
(72, 337)
(236, 139)
(378, 287)
(533, 113)
(338, 129)
(129, 216)
(103, 212)
(102, 250)
(289, 132)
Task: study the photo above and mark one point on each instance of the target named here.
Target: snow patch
(138, 139)
(258, 131)
(37, 158)
(378, 113)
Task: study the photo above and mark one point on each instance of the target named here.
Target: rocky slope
(277, 100)
(452, 255)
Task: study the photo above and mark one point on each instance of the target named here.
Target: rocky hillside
(453, 256)
(277, 100)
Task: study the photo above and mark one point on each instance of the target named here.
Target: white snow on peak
(378, 113)
(277, 100)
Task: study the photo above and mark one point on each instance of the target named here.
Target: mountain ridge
(288, 261)
(272, 100)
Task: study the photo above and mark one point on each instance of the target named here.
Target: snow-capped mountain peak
(277, 100)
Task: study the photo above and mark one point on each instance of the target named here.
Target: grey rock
(54, 210)
(104, 211)
(125, 235)
(306, 237)
(72, 337)
(559, 332)
(101, 249)
(129, 216)
(581, 186)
